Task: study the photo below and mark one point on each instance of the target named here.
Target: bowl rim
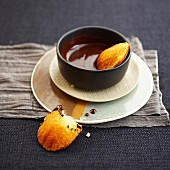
(93, 27)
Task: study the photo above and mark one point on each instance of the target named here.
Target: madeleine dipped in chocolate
(58, 131)
(113, 56)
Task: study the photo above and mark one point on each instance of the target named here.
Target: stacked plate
(129, 95)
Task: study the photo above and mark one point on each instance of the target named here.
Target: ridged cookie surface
(58, 131)
(112, 56)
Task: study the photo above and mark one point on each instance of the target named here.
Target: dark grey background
(44, 21)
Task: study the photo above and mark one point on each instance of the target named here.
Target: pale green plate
(127, 105)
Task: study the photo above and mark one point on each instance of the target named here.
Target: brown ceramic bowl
(90, 79)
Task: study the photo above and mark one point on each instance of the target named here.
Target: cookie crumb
(82, 118)
(88, 134)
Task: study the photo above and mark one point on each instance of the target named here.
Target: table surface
(116, 148)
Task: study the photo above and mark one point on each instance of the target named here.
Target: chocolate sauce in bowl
(82, 51)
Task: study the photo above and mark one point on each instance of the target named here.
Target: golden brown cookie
(112, 56)
(58, 131)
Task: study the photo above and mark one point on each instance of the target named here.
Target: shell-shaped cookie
(113, 56)
(58, 131)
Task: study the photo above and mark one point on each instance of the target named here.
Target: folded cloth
(17, 101)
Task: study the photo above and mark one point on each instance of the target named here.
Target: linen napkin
(17, 101)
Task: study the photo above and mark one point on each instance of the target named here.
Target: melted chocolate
(82, 51)
(59, 108)
(86, 114)
(93, 111)
(78, 126)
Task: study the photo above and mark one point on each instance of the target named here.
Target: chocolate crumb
(78, 126)
(58, 107)
(61, 114)
(86, 114)
(93, 111)
(68, 127)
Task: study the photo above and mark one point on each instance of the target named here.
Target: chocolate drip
(78, 126)
(60, 109)
(86, 114)
(93, 111)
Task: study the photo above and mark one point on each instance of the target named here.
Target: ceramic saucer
(125, 86)
(49, 95)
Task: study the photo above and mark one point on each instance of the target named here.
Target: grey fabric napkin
(17, 101)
